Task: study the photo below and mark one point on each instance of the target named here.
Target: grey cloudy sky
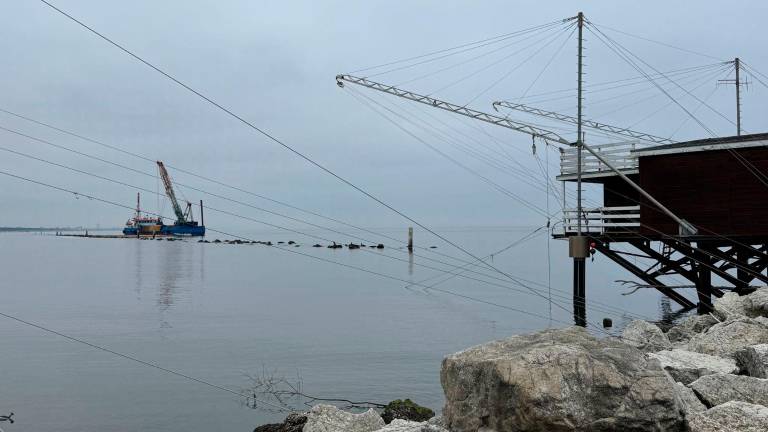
(274, 63)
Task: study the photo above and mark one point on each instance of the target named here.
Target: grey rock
(753, 360)
(690, 403)
(557, 380)
(731, 416)
(756, 304)
(687, 366)
(293, 423)
(718, 389)
(729, 306)
(645, 336)
(732, 305)
(328, 418)
(691, 326)
(725, 338)
(400, 425)
(437, 421)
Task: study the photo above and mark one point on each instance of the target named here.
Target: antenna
(738, 83)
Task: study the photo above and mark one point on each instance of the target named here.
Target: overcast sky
(274, 64)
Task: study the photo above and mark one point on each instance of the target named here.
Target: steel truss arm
(588, 123)
(458, 109)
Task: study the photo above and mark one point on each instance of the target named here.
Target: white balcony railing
(602, 219)
(618, 154)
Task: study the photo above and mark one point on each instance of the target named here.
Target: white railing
(602, 219)
(618, 154)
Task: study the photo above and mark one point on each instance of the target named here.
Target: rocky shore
(708, 373)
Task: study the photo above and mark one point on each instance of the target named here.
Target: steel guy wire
(100, 143)
(471, 59)
(518, 66)
(538, 30)
(628, 82)
(269, 136)
(485, 179)
(288, 229)
(492, 40)
(264, 222)
(625, 50)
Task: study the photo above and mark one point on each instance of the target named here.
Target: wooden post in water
(410, 239)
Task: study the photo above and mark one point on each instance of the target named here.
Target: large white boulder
(731, 417)
(328, 418)
(557, 380)
(687, 366)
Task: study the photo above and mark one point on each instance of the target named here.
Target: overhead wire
(273, 225)
(282, 228)
(494, 39)
(485, 54)
(482, 177)
(272, 137)
(689, 51)
(618, 51)
(535, 32)
(630, 53)
(521, 64)
(288, 250)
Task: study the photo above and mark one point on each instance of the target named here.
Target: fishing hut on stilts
(694, 209)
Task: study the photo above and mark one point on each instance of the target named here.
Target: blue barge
(185, 225)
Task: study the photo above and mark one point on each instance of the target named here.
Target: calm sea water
(220, 312)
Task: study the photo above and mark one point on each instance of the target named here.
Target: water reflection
(170, 271)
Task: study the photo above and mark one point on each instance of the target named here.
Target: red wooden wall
(710, 189)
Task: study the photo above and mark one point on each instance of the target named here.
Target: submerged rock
(725, 338)
(328, 418)
(406, 410)
(558, 380)
(687, 366)
(753, 360)
(731, 416)
(645, 336)
(720, 388)
(293, 423)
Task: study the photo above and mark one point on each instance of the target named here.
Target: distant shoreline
(53, 229)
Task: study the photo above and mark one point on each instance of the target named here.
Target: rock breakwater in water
(708, 373)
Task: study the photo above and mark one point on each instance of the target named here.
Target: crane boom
(171, 194)
(437, 103)
(588, 123)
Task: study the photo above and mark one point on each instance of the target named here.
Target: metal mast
(578, 244)
(738, 98)
(736, 82)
